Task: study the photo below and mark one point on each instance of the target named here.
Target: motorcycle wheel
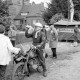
(18, 72)
(39, 69)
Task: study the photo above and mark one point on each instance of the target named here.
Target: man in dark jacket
(76, 31)
(39, 41)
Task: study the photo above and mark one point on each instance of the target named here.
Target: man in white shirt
(6, 48)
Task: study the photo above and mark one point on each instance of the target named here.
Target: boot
(45, 73)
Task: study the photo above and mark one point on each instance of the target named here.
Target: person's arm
(11, 48)
(56, 35)
(27, 34)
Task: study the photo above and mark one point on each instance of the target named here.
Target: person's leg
(45, 54)
(54, 52)
(2, 72)
(42, 60)
(26, 69)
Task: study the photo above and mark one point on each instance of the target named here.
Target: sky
(39, 1)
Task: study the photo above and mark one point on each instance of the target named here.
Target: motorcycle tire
(18, 72)
(39, 69)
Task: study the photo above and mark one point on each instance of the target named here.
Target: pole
(68, 9)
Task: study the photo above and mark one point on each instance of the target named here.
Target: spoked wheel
(39, 69)
(18, 72)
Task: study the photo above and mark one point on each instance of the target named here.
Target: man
(12, 34)
(39, 41)
(6, 48)
(76, 32)
(53, 40)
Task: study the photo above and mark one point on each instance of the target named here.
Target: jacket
(53, 39)
(6, 48)
(40, 40)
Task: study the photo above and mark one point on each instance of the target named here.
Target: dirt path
(66, 67)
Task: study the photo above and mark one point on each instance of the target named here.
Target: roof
(33, 10)
(25, 8)
(36, 9)
(67, 22)
(18, 17)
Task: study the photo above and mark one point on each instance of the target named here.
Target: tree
(61, 7)
(3, 8)
(4, 13)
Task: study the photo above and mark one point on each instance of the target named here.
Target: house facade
(29, 14)
(15, 6)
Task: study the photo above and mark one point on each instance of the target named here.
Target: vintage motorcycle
(24, 62)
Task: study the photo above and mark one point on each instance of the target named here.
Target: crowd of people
(39, 35)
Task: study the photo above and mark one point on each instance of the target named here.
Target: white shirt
(6, 48)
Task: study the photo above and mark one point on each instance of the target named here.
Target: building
(66, 29)
(15, 6)
(29, 14)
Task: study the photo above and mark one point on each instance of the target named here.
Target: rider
(39, 41)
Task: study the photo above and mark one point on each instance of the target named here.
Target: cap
(38, 25)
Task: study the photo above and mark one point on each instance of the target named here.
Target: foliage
(61, 6)
(3, 9)
(56, 18)
(4, 13)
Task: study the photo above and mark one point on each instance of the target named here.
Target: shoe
(51, 56)
(45, 73)
(54, 57)
(26, 73)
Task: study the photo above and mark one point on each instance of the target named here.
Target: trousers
(2, 72)
(41, 58)
(54, 52)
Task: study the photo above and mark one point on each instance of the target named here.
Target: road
(65, 67)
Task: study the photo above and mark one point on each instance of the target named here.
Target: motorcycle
(25, 62)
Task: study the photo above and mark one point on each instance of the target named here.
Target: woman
(53, 40)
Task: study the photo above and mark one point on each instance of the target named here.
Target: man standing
(76, 31)
(39, 41)
(53, 40)
(6, 48)
(12, 34)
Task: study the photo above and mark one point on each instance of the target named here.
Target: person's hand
(20, 52)
(30, 31)
(38, 46)
(32, 46)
